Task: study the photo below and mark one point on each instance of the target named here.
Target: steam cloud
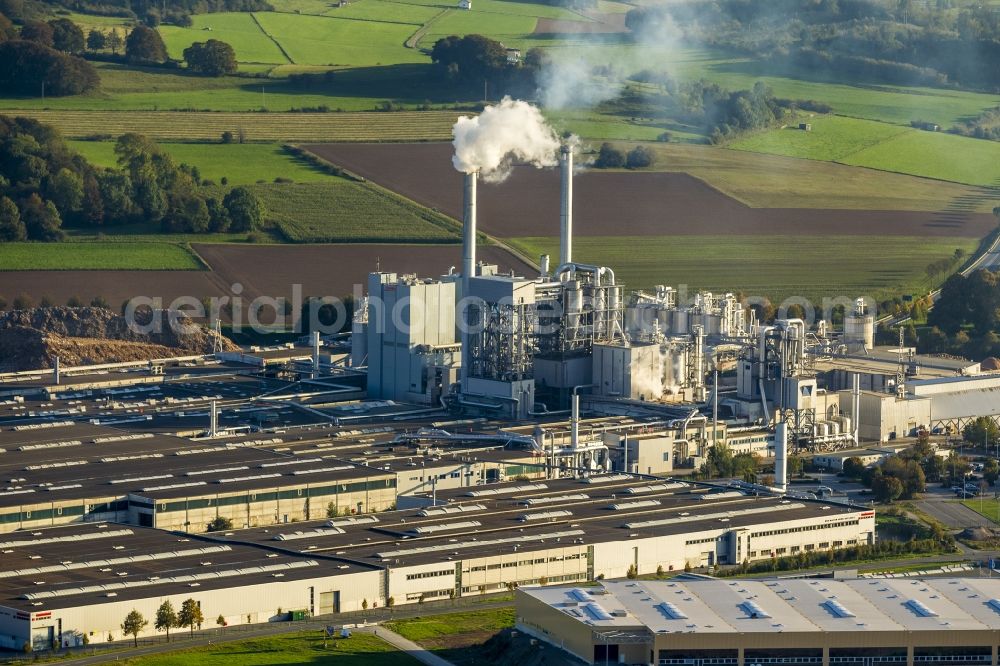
(512, 130)
(594, 71)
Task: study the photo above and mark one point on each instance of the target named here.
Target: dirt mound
(978, 533)
(79, 336)
(990, 364)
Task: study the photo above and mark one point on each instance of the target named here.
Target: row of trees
(44, 185)
(167, 618)
(904, 42)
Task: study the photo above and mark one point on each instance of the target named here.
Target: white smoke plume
(594, 71)
(510, 131)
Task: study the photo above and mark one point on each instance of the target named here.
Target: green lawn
(241, 163)
(424, 629)
(342, 211)
(985, 507)
(935, 155)
(385, 10)
(300, 648)
(96, 256)
(813, 267)
(238, 29)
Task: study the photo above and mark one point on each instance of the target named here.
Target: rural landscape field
(347, 80)
(867, 190)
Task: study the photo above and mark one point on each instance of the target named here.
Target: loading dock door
(41, 638)
(329, 602)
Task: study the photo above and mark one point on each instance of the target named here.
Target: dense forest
(966, 318)
(902, 42)
(45, 186)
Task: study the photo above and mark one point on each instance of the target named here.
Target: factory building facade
(796, 622)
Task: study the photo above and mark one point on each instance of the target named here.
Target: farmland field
(813, 267)
(241, 164)
(94, 256)
(271, 270)
(238, 29)
(342, 211)
(935, 155)
(831, 138)
(300, 648)
(886, 147)
(633, 204)
(257, 127)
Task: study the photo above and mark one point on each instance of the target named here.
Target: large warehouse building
(793, 622)
(63, 583)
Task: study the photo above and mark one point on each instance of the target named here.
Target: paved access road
(952, 513)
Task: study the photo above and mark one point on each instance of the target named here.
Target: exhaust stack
(566, 209)
(781, 455)
(469, 231)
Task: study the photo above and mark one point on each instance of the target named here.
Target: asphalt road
(952, 513)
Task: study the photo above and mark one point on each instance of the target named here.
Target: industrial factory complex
(479, 432)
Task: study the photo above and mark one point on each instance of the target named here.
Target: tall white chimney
(56, 373)
(566, 208)
(469, 230)
(781, 455)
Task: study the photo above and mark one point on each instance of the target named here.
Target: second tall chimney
(566, 209)
(469, 230)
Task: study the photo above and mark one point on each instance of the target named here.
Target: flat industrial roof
(497, 516)
(92, 563)
(772, 606)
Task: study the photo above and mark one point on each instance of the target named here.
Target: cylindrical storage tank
(834, 427)
(845, 425)
(680, 322)
(713, 324)
(666, 323)
(822, 429)
(573, 301)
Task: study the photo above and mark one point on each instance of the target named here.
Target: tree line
(44, 58)
(901, 42)
(167, 618)
(966, 317)
(45, 185)
(150, 12)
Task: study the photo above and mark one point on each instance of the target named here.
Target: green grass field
(935, 155)
(990, 508)
(886, 147)
(175, 126)
(97, 256)
(772, 181)
(300, 648)
(238, 29)
(813, 267)
(423, 629)
(342, 211)
(242, 164)
(831, 139)
(317, 40)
